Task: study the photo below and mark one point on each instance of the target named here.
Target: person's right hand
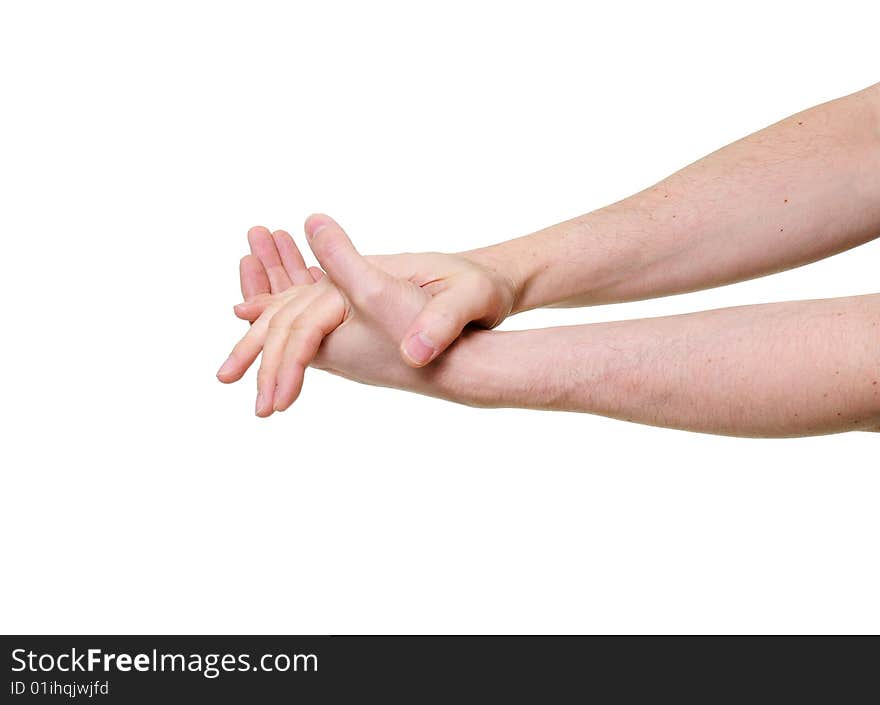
(461, 289)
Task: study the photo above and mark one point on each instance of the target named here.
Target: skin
(793, 193)
(461, 290)
(290, 326)
(797, 191)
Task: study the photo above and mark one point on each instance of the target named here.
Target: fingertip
(290, 384)
(230, 377)
(257, 231)
(404, 355)
(252, 308)
(241, 311)
(263, 405)
(250, 268)
(227, 378)
(277, 398)
(282, 240)
(226, 370)
(418, 350)
(253, 277)
(408, 361)
(317, 222)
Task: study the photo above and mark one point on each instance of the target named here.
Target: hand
(361, 320)
(462, 289)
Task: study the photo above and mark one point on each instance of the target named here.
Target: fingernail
(314, 231)
(226, 367)
(314, 226)
(419, 348)
(258, 407)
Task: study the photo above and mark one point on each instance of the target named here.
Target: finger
(246, 350)
(273, 347)
(284, 324)
(263, 246)
(291, 258)
(341, 261)
(253, 277)
(439, 323)
(317, 273)
(253, 308)
(307, 332)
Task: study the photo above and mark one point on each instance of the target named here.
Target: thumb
(438, 325)
(339, 258)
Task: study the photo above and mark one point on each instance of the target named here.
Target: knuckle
(265, 318)
(328, 246)
(278, 323)
(308, 334)
(444, 318)
(276, 271)
(372, 293)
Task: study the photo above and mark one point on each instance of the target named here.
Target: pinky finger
(253, 277)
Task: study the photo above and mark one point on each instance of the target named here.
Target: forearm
(787, 369)
(795, 192)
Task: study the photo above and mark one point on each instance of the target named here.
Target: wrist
(493, 369)
(468, 371)
(506, 272)
(545, 267)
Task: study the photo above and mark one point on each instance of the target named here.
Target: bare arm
(795, 192)
(786, 369)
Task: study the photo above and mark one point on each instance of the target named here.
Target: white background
(139, 143)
